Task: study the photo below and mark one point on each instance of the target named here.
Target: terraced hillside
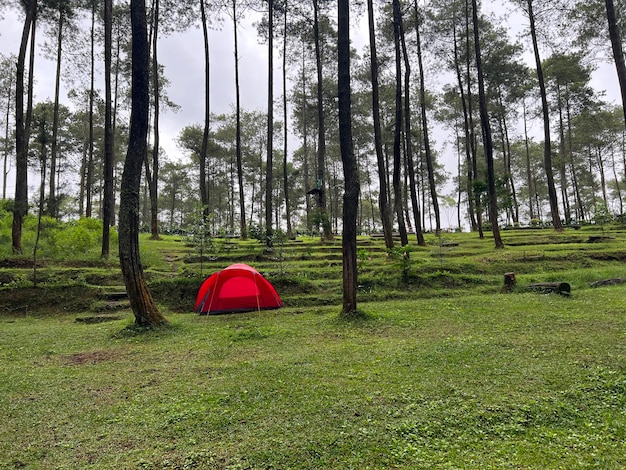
(307, 272)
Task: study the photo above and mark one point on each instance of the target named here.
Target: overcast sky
(182, 56)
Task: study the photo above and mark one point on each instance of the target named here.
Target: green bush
(57, 240)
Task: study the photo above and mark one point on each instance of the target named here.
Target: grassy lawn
(475, 380)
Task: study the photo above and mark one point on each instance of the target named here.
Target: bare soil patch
(90, 357)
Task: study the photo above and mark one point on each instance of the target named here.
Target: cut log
(562, 288)
(608, 282)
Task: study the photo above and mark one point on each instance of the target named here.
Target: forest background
(562, 34)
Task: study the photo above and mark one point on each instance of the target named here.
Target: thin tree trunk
(6, 138)
(92, 92)
(52, 199)
(204, 192)
(397, 160)
(547, 153)
(42, 193)
(323, 216)
(466, 129)
(305, 142)
(570, 153)
(238, 151)
(617, 183)
(484, 119)
(383, 201)
(417, 216)
(472, 129)
(427, 151)
(109, 136)
(529, 180)
(562, 160)
(269, 177)
(285, 126)
(152, 174)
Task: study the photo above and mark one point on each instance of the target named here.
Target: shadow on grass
(146, 332)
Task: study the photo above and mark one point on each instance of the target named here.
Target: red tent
(237, 288)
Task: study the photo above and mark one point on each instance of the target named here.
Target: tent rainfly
(237, 288)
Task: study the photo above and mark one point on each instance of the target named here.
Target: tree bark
(285, 126)
(145, 310)
(52, 199)
(488, 142)
(397, 160)
(466, 130)
(350, 170)
(238, 152)
(108, 206)
(22, 127)
(269, 170)
(92, 91)
(204, 192)
(427, 151)
(472, 141)
(321, 129)
(383, 201)
(152, 172)
(547, 152)
(618, 52)
(417, 216)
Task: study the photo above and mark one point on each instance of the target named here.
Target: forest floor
(445, 370)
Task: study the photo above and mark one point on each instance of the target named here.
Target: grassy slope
(469, 380)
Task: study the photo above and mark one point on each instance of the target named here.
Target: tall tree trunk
(109, 144)
(561, 162)
(602, 177)
(509, 170)
(470, 112)
(618, 186)
(5, 172)
(152, 174)
(427, 151)
(285, 126)
(238, 151)
(269, 175)
(484, 119)
(579, 202)
(305, 140)
(144, 308)
(92, 92)
(383, 201)
(22, 126)
(42, 192)
(397, 147)
(52, 198)
(547, 152)
(466, 129)
(417, 216)
(323, 216)
(618, 52)
(529, 180)
(350, 170)
(204, 192)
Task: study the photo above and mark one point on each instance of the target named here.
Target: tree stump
(562, 288)
(509, 282)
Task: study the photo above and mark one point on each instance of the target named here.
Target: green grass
(443, 370)
(473, 381)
